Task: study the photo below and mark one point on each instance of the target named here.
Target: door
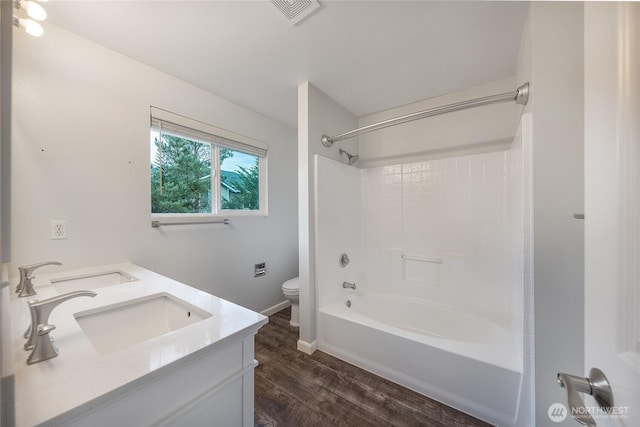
(612, 208)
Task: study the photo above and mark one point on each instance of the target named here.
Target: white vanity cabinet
(214, 388)
(201, 374)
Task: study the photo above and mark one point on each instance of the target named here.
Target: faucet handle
(41, 309)
(25, 287)
(44, 348)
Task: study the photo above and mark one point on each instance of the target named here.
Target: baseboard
(308, 348)
(276, 308)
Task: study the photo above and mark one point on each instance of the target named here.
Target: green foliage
(181, 178)
(248, 184)
(225, 153)
(185, 185)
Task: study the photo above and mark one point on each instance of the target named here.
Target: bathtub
(462, 360)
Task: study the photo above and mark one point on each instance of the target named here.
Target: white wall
(81, 153)
(558, 193)
(474, 130)
(317, 115)
(338, 228)
(612, 201)
(551, 58)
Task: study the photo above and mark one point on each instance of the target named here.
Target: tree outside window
(181, 177)
(242, 175)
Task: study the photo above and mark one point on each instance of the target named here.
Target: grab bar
(157, 223)
(420, 258)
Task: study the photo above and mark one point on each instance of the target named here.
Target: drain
(348, 303)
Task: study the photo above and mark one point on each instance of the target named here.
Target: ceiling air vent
(295, 10)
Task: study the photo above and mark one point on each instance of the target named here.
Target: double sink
(120, 325)
(140, 336)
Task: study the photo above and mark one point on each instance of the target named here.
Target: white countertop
(80, 374)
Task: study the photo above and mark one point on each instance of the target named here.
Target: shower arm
(520, 96)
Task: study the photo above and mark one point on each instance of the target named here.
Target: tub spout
(348, 285)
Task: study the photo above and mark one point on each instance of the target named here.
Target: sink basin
(91, 280)
(114, 327)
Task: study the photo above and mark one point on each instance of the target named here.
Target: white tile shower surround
(464, 210)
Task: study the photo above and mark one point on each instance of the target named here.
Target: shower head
(351, 157)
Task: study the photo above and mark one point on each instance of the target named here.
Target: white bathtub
(463, 360)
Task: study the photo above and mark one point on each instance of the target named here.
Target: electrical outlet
(58, 229)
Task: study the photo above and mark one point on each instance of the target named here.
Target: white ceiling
(367, 55)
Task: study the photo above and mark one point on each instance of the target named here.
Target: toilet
(291, 291)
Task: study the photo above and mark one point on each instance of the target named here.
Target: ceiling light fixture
(33, 9)
(35, 12)
(30, 26)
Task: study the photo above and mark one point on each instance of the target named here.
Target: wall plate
(59, 229)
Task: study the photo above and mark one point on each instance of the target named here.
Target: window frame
(201, 132)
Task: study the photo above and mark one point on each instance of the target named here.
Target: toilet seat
(291, 286)
(289, 293)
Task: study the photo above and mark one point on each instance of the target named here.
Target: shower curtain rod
(520, 96)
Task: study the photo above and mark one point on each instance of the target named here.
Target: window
(198, 169)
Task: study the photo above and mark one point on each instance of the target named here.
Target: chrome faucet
(40, 327)
(25, 287)
(348, 285)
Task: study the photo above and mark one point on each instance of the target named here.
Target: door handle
(596, 384)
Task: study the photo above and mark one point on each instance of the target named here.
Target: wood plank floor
(295, 389)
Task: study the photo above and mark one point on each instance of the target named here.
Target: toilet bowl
(291, 291)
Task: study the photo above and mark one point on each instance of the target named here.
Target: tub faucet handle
(25, 287)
